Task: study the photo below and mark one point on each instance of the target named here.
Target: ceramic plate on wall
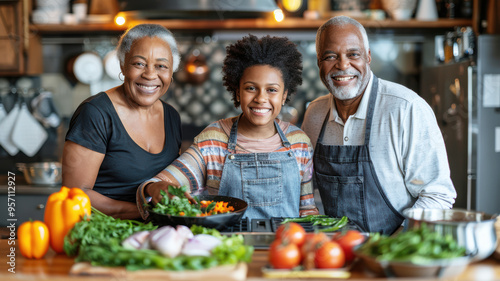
(112, 65)
(88, 68)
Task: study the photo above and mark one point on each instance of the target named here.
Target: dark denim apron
(269, 182)
(348, 184)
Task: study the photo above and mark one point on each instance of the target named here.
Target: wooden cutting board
(227, 272)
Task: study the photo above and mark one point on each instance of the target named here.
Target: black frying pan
(219, 221)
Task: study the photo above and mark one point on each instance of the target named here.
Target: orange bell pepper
(33, 239)
(63, 210)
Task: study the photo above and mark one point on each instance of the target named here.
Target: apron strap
(322, 132)
(371, 108)
(231, 145)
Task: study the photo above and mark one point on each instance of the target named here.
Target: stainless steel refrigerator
(465, 97)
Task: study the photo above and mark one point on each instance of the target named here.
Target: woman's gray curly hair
(149, 30)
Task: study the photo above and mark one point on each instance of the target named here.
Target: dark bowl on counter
(219, 221)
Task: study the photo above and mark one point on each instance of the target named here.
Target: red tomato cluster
(293, 246)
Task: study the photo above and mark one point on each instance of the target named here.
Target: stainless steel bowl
(475, 231)
(42, 173)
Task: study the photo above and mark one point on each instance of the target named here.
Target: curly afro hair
(277, 52)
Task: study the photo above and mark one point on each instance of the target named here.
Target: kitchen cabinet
(21, 49)
(29, 203)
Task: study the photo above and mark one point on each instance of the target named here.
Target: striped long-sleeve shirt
(200, 167)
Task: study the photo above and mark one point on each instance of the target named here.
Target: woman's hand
(153, 190)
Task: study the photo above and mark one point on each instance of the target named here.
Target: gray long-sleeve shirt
(406, 145)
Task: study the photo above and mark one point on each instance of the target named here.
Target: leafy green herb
(100, 227)
(98, 241)
(177, 204)
(415, 245)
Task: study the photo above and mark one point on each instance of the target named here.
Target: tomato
(329, 255)
(291, 232)
(284, 255)
(348, 241)
(312, 242)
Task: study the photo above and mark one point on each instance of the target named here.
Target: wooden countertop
(57, 267)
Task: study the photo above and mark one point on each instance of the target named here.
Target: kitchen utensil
(28, 134)
(44, 110)
(237, 272)
(219, 221)
(112, 65)
(286, 274)
(3, 112)
(6, 128)
(427, 10)
(399, 9)
(87, 67)
(475, 231)
(41, 173)
(444, 268)
(197, 68)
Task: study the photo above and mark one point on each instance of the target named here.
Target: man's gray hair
(150, 30)
(342, 21)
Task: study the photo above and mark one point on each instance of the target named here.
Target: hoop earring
(121, 79)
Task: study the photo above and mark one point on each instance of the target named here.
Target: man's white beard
(345, 93)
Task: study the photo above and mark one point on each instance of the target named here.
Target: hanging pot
(86, 68)
(196, 68)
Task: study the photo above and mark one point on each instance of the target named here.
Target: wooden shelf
(242, 24)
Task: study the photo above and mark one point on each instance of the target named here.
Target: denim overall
(348, 184)
(269, 182)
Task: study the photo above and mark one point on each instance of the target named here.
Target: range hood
(196, 9)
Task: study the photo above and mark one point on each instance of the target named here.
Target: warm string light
(278, 15)
(120, 19)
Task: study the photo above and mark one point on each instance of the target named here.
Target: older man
(378, 148)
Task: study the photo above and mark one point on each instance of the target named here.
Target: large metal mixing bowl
(42, 173)
(473, 230)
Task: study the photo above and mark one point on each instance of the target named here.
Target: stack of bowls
(50, 11)
(475, 231)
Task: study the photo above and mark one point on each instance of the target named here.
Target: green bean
(310, 218)
(336, 226)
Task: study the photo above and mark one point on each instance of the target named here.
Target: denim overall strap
(348, 184)
(269, 182)
(231, 144)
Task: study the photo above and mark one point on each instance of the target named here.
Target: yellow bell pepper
(63, 210)
(33, 239)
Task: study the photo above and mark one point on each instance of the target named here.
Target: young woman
(253, 156)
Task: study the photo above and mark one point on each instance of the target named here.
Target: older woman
(254, 156)
(119, 138)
